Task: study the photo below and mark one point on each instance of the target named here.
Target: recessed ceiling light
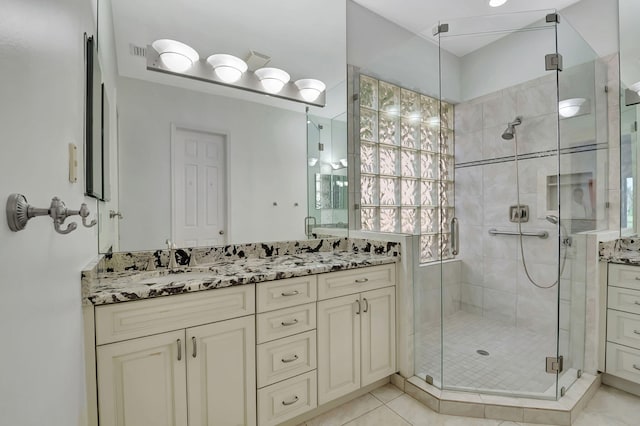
(496, 3)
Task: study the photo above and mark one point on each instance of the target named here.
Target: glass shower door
(500, 293)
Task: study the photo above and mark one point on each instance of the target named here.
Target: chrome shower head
(510, 131)
(553, 219)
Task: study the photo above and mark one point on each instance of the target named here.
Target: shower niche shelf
(576, 195)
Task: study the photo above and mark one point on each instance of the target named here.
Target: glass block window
(406, 165)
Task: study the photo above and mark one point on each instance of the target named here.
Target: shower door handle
(455, 237)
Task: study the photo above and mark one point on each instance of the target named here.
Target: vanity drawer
(128, 320)
(285, 322)
(285, 358)
(288, 399)
(624, 276)
(278, 294)
(336, 284)
(624, 299)
(623, 362)
(623, 328)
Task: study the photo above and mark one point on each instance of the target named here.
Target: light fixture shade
(570, 107)
(175, 55)
(272, 79)
(635, 87)
(228, 68)
(496, 3)
(310, 88)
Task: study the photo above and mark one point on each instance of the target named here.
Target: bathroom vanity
(244, 341)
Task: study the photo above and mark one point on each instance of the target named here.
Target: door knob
(221, 232)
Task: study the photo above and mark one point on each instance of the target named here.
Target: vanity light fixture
(272, 79)
(310, 88)
(175, 55)
(175, 58)
(228, 68)
(570, 107)
(496, 3)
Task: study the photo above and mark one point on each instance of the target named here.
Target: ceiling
(421, 16)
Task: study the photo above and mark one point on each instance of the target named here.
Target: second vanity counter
(114, 287)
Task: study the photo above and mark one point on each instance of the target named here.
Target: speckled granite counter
(625, 251)
(103, 284)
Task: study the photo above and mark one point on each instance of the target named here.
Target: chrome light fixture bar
(203, 71)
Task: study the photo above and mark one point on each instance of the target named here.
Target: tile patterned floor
(388, 406)
(515, 362)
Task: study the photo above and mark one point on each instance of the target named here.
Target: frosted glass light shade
(496, 3)
(570, 107)
(310, 88)
(272, 79)
(228, 68)
(175, 55)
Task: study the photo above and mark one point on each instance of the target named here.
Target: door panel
(378, 334)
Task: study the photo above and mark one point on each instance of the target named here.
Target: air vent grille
(137, 50)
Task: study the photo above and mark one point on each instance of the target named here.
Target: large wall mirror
(204, 164)
(629, 114)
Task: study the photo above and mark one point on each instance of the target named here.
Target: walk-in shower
(509, 308)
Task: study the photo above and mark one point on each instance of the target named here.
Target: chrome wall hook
(19, 211)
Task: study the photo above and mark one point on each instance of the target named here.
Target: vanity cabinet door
(143, 381)
(338, 347)
(378, 324)
(221, 371)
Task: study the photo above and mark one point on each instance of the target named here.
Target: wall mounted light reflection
(272, 79)
(312, 161)
(175, 55)
(571, 107)
(310, 88)
(496, 3)
(228, 68)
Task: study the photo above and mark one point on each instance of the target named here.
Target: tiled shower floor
(515, 364)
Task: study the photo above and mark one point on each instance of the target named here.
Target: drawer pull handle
(179, 350)
(288, 360)
(293, 401)
(362, 280)
(290, 293)
(289, 323)
(637, 302)
(636, 331)
(636, 367)
(195, 347)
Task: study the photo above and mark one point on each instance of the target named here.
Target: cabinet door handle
(290, 293)
(287, 360)
(289, 323)
(636, 331)
(637, 278)
(358, 311)
(637, 302)
(195, 347)
(293, 401)
(636, 367)
(179, 342)
(366, 305)
(362, 280)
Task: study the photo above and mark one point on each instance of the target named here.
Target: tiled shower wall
(493, 279)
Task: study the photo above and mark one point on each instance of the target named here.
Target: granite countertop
(625, 251)
(114, 287)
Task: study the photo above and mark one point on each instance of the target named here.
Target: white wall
(587, 30)
(392, 53)
(267, 158)
(41, 109)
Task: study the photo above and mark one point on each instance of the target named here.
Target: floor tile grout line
(366, 412)
(400, 415)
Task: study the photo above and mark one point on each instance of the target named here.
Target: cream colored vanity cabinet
(286, 349)
(623, 322)
(179, 360)
(356, 329)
